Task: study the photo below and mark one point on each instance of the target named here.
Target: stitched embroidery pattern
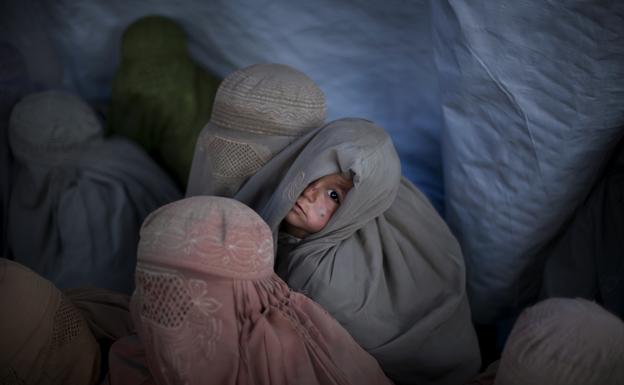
(181, 313)
(189, 238)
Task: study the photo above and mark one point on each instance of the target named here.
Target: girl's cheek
(322, 211)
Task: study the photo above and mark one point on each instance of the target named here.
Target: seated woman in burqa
(210, 309)
(384, 264)
(78, 198)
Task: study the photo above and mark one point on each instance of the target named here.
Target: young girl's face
(316, 205)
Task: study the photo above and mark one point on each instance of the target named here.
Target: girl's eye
(333, 195)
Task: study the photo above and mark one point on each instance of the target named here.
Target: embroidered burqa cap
(44, 338)
(209, 308)
(161, 98)
(258, 111)
(563, 341)
(385, 266)
(78, 199)
(52, 126)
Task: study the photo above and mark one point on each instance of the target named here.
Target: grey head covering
(13, 84)
(52, 126)
(385, 266)
(257, 112)
(563, 341)
(77, 199)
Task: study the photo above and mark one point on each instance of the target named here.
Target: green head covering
(153, 36)
(161, 98)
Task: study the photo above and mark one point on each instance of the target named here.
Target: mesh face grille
(166, 301)
(232, 159)
(67, 324)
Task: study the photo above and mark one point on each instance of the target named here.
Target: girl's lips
(299, 208)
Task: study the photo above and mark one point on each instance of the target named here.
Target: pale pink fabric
(209, 309)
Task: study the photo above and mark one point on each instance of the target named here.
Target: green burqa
(161, 99)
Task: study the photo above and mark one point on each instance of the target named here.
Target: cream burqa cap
(44, 339)
(257, 111)
(210, 310)
(562, 341)
(385, 266)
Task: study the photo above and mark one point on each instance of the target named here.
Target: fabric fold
(208, 307)
(160, 97)
(386, 266)
(78, 198)
(45, 338)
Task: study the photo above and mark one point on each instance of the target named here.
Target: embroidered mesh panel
(232, 159)
(67, 324)
(166, 301)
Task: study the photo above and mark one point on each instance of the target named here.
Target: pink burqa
(208, 308)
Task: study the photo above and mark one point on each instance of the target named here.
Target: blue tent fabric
(533, 102)
(586, 258)
(371, 59)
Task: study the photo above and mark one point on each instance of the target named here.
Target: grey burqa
(386, 265)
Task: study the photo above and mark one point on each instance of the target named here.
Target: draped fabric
(45, 339)
(258, 111)
(562, 341)
(371, 59)
(487, 377)
(78, 199)
(531, 93)
(385, 266)
(161, 98)
(127, 363)
(107, 312)
(586, 258)
(13, 84)
(209, 308)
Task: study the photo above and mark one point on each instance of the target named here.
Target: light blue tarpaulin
(372, 59)
(533, 103)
